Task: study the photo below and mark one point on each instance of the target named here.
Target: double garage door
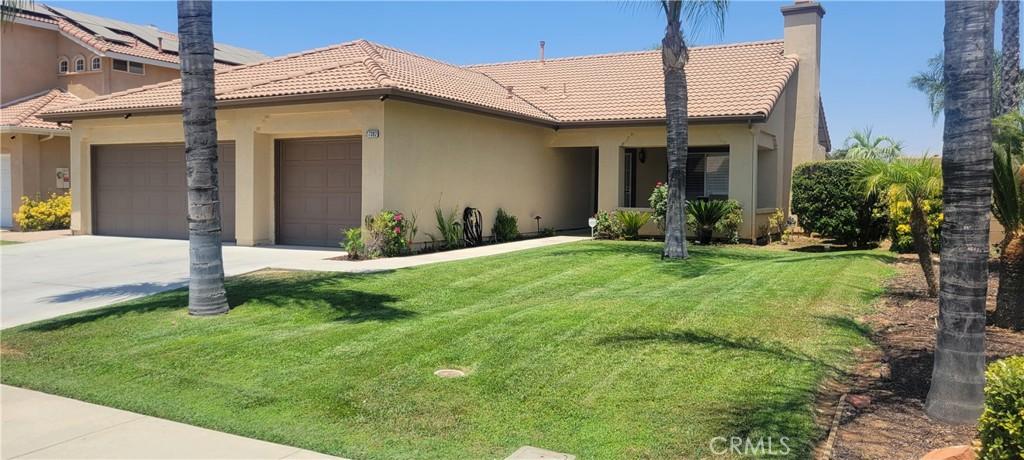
(140, 190)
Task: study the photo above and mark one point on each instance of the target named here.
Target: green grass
(5, 242)
(598, 349)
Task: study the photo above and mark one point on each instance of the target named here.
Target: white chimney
(542, 52)
(802, 38)
(160, 44)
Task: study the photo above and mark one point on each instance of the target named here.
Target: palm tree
(673, 58)
(958, 375)
(206, 295)
(1009, 97)
(8, 9)
(915, 180)
(931, 83)
(861, 145)
(1008, 208)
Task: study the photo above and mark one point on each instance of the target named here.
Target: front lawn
(598, 349)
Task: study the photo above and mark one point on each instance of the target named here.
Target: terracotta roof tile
(347, 67)
(727, 80)
(730, 80)
(22, 113)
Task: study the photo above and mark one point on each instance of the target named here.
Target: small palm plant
(1008, 209)
(630, 222)
(861, 144)
(706, 214)
(914, 180)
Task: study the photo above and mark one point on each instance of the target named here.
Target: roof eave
(302, 98)
(724, 119)
(8, 129)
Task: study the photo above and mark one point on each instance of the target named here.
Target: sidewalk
(28, 237)
(393, 263)
(38, 425)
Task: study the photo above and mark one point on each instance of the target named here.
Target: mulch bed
(891, 382)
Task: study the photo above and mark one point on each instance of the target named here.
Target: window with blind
(707, 173)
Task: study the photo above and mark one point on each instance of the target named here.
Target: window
(62, 65)
(79, 64)
(96, 63)
(129, 66)
(707, 173)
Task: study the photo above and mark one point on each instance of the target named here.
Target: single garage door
(319, 190)
(140, 190)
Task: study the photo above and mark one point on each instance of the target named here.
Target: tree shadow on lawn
(307, 290)
(715, 342)
(778, 410)
(702, 260)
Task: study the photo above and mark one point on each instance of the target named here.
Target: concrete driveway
(45, 279)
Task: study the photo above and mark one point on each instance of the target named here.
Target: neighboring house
(53, 57)
(314, 141)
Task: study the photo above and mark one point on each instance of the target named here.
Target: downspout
(46, 138)
(753, 181)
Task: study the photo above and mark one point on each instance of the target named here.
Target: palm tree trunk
(673, 55)
(1009, 86)
(923, 246)
(958, 376)
(206, 294)
(1010, 297)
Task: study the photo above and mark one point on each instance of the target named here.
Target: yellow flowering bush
(50, 214)
(899, 224)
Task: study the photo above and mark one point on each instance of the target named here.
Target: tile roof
(340, 69)
(22, 113)
(741, 80)
(109, 35)
(732, 80)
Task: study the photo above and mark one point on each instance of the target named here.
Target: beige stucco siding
(34, 163)
(442, 157)
(28, 61)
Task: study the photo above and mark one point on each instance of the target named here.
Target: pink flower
(397, 230)
(398, 217)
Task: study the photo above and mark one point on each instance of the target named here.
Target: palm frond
(9, 9)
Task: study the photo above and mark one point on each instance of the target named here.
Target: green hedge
(828, 202)
(1001, 427)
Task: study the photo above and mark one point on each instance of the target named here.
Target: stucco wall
(28, 63)
(453, 159)
(34, 162)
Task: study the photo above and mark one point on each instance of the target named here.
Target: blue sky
(870, 49)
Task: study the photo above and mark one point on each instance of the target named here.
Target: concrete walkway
(38, 425)
(29, 237)
(393, 263)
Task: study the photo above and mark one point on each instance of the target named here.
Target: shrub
(1001, 427)
(53, 213)
(729, 225)
(829, 201)
(899, 225)
(506, 226)
(607, 227)
(390, 234)
(353, 244)
(659, 203)
(449, 228)
(706, 216)
(630, 222)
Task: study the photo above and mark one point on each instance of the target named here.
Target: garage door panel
(140, 190)
(319, 190)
